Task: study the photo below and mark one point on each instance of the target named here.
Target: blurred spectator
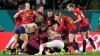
(21, 2)
(32, 3)
(1, 4)
(88, 4)
(40, 2)
(11, 4)
(82, 4)
(98, 25)
(49, 5)
(58, 4)
(65, 2)
(1, 29)
(95, 5)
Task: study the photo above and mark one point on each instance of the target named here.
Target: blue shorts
(73, 32)
(20, 30)
(85, 28)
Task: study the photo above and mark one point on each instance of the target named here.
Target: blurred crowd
(51, 4)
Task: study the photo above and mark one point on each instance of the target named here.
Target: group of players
(38, 33)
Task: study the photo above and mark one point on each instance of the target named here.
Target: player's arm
(79, 19)
(61, 25)
(70, 20)
(36, 14)
(57, 19)
(17, 14)
(55, 26)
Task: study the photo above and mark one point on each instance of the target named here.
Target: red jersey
(66, 22)
(18, 20)
(84, 21)
(49, 20)
(27, 18)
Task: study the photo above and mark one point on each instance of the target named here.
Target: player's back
(68, 23)
(77, 12)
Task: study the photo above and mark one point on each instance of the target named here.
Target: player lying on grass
(55, 41)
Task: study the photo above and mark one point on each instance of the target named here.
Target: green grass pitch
(89, 53)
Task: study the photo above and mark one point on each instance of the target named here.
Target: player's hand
(73, 22)
(20, 11)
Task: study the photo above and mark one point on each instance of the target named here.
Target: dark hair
(38, 6)
(71, 5)
(22, 6)
(58, 13)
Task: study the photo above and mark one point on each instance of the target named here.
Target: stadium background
(7, 20)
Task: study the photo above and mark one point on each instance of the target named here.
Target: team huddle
(51, 33)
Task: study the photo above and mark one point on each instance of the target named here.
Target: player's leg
(90, 39)
(10, 42)
(71, 38)
(76, 43)
(83, 35)
(24, 37)
(50, 44)
(41, 48)
(57, 44)
(8, 47)
(15, 41)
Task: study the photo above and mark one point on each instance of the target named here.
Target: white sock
(41, 48)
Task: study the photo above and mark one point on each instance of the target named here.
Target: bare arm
(36, 14)
(79, 19)
(17, 14)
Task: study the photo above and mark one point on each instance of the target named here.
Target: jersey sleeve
(61, 25)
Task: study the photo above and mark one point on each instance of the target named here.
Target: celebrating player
(67, 23)
(83, 25)
(28, 14)
(19, 17)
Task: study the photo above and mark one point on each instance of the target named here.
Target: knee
(70, 40)
(44, 45)
(26, 41)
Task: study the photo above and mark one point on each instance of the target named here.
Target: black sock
(66, 49)
(74, 46)
(84, 45)
(12, 50)
(8, 48)
(77, 45)
(22, 50)
(92, 42)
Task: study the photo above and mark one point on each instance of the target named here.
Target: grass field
(89, 53)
